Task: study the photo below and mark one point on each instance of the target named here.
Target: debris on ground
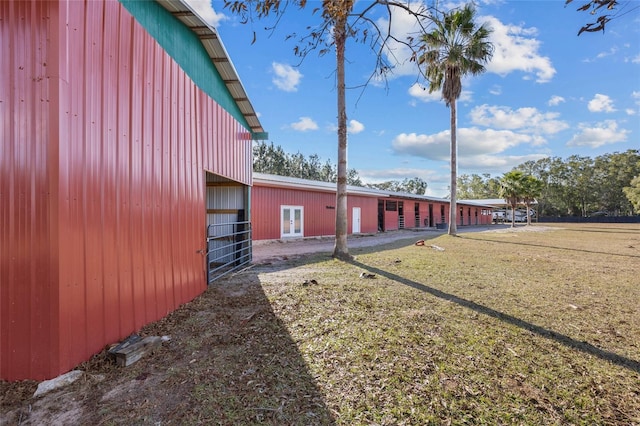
(133, 348)
(367, 275)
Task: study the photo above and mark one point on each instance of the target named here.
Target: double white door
(291, 221)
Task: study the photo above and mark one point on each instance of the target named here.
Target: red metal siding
(318, 219)
(25, 180)
(104, 145)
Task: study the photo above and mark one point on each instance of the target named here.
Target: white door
(355, 226)
(291, 221)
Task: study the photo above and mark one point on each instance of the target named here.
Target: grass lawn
(499, 328)
(522, 328)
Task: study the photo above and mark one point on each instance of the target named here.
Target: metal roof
(298, 183)
(220, 58)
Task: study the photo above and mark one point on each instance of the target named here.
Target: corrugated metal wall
(26, 182)
(104, 145)
(318, 219)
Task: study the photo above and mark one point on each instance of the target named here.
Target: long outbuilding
(286, 207)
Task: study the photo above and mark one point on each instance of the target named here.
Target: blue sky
(546, 92)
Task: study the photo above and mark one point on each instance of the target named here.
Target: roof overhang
(264, 179)
(220, 58)
(276, 181)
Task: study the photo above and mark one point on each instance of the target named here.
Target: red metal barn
(124, 132)
(285, 207)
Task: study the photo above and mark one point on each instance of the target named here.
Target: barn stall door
(291, 221)
(228, 227)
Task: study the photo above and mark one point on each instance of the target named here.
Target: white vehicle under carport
(521, 216)
(498, 216)
(504, 216)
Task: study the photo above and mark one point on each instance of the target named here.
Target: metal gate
(228, 248)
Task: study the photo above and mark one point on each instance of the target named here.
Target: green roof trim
(260, 136)
(184, 46)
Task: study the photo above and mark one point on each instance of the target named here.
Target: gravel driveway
(273, 250)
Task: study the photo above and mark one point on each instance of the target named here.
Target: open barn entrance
(228, 226)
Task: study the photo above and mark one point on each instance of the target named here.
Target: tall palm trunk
(453, 212)
(340, 249)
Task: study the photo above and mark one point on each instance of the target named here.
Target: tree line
(575, 186)
(272, 159)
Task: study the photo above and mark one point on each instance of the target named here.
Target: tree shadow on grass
(393, 245)
(520, 243)
(607, 230)
(253, 372)
(583, 346)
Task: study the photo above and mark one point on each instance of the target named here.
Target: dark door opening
(380, 216)
(228, 233)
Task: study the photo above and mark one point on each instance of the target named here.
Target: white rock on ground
(58, 382)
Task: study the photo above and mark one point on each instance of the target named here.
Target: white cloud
(594, 136)
(421, 92)
(355, 127)
(304, 124)
(610, 52)
(555, 100)
(636, 59)
(204, 9)
(636, 98)
(516, 49)
(471, 142)
(286, 77)
(480, 151)
(527, 119)
(601, 103)
(494, 163)
(383, 175)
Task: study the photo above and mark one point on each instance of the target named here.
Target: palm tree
(454, 48)
(531, 189)
(511, 191)
(337, 12)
